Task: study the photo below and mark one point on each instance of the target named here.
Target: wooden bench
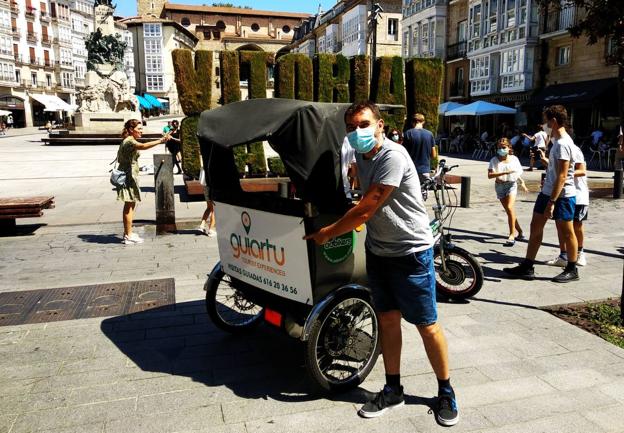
(22, 207)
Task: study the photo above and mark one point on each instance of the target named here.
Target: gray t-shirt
(401, 226)
(561, 150)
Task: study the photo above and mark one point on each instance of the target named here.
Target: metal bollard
(617, 183)
(283, 189)
(465, 191)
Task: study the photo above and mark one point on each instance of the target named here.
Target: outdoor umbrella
(448, 106)
(480, 108)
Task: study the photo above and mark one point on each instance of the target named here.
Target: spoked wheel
(227, 306)
(463, 277)
(343, 345)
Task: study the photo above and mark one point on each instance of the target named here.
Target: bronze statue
(104, 49)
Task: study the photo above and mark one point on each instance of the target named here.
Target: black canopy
(307, 136)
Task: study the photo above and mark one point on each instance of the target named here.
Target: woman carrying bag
(128, 160)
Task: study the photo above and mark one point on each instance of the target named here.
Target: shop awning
(143, 103)
(153, 100)
(52, 103)
(163, 101)
(573, 93)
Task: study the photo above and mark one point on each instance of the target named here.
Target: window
(48, 80)
(406, 44)
(510, 14)
(5, 19)
(255, 27)
(221, 25)
(286, 29)
(155, 83)
(490, 23)
(152, 30)
(153, 63)
(351, 30)
(33, 79)
(425, 37)
(393, 26)
(461, 31)
(416, 41)
(563, 55)
(67, 80)
(512, 70)
(185, 22)
(152, 46)
(7, 72)
(480, 75)
(459, 76)
(6, 45)
(475, 21)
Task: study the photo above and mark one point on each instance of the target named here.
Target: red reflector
(273, 317)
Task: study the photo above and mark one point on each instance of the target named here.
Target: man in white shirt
(540, 139)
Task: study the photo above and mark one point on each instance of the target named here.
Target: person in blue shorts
(557, 200)
(399, 257)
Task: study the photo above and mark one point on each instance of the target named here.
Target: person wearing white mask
(557, 200)
(506, 170)
(399, 257)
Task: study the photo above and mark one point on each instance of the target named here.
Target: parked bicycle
(458, 274)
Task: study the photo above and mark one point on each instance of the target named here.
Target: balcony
(30, 13)
(6, 52)
(45, 17)
(32, 38)
(49, 64)
(560, 20)
(14, 8)
(19, 60)
(66, 87)
(8, 78)
(456, 51)
(45, 40)
(457, 89)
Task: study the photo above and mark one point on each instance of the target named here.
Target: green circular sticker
(338, 249)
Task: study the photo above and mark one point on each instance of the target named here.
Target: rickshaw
(267, 272)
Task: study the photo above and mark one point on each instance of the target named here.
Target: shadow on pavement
(21, 230)
(100, 239)
(181, 340)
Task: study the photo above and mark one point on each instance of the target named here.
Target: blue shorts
(564, 207)
(405, 283)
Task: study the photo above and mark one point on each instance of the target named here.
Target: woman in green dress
(128, 160)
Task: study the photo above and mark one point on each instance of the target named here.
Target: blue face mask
(502, 152)
(362, 140)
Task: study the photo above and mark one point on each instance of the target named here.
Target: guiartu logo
(258, 249)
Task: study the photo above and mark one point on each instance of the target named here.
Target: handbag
(118, 177)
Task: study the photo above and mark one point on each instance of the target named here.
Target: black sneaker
(566, 276)
(385, 400)
(446, 410)
(521, 271)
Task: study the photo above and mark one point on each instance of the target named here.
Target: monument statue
(107, 87)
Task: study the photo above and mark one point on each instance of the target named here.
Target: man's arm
(580, 169)
(374, 198)
(562, 172)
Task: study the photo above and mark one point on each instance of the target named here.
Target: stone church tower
(150, 7)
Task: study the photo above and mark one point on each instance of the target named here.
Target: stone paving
(515, 368)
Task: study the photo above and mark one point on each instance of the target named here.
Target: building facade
(43, 57)
(345, 29)
(457, 64)
(153, 40)
(424, 28)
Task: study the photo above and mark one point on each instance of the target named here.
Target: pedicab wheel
(463, 277)
(227, 306)
(343, 345)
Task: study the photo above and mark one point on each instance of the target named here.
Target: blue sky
(128, 7)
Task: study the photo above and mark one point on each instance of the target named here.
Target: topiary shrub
(252, 156)
(190, 146)
(388, 87)
(294, 77)
(194, 82)
(258, 62)
(332, 78)
(276, 166)
(230, 77)
(359, 82)
(424, 89)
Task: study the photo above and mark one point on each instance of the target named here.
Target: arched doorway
(15, 105)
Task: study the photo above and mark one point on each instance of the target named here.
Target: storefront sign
(265, 250)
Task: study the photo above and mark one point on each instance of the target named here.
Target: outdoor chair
(595, 152)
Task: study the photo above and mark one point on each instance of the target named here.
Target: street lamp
(376, 11)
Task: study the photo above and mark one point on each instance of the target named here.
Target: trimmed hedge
(258, 62)
(230, 77)
(388, 88)
(332, 74)
(190, 146)
(294, 77)
(194, 82)
(276, 166)
(254, 158)
(360, 78)
(424, 89)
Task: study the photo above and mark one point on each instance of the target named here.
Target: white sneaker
(201, 229)
(581, 259)
(211, 233)
(558, 261)
(132, 239)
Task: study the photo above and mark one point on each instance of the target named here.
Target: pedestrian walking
(539, 141)
(395, 135)
(9, 121)
(506, 171)
(173, 144)
(128, 160)
(420, 145)
(399, 257)
(581, 212)
(556, 200)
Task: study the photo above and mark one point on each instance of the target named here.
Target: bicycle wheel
(343, 345)
(227, 306)
(463, 277)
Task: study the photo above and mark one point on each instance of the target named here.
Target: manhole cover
(70, 303)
